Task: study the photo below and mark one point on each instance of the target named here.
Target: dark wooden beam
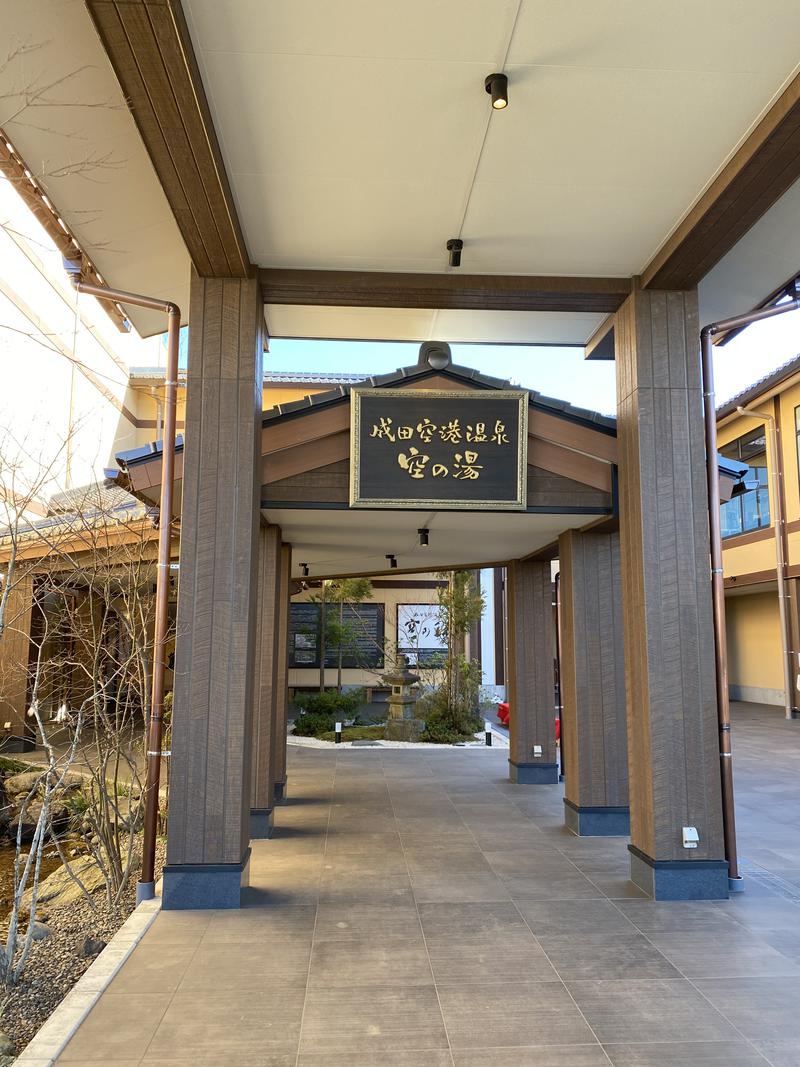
(151, 52)
(759, 173)
(470, 292)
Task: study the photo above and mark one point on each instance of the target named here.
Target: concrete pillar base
(262, 821)
(205, 885)
(597, 821)
(279, 792)
(533, 773)
(679, 879)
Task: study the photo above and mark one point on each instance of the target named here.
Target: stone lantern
(402, 724)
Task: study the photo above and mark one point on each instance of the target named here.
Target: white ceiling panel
(418, 324)
(356, 134)
(336, 542)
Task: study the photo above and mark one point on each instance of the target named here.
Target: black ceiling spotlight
(304, 567)
(496, 86)
(423, 536)
(392, 560)
(454, 247)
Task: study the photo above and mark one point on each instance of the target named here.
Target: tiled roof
(757, 389)
(466, 374)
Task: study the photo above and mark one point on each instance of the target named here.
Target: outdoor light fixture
(497, 87)
(454, 247)
(392, 560)
(423, 537)
(304, 568)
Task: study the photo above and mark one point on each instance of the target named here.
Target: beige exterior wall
(65, 365)
(755, 667)
(399, 593)
(753, 626)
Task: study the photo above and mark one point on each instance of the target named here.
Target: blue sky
(556, 372)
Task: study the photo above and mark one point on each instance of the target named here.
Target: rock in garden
(41, 931)
(92, 946)
(6, 1045)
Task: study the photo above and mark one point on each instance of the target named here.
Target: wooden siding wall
(282, 679)
(669, 649)
(210, 791)
(14, 652)
(531, 649)
(265, 666)
(593, 670)
(331, 484)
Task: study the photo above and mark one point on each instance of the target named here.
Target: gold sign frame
(522, 397)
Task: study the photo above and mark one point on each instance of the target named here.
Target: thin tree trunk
(339, 665)
(323, 620)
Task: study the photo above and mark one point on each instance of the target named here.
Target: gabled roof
(467, 375)
(757, 389)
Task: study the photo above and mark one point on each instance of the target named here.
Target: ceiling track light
(392, 560)
(423, 537)
(496, 86)
(304, 569)
(454, 247)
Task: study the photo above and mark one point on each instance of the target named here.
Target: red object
(558, 728)
(503, 713)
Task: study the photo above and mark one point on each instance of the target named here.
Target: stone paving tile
(509, 1014)
(364, 963)
(244, 1024)
(708, 956)
(581, 920)
(153, 968)
(552, 1056)
(607, 957)
(475, 960)
(390, 1016)
(763, 1009)
(119, 1026)
(628, 1011)
(348, 922)
(686, 1054)
(417, 1058)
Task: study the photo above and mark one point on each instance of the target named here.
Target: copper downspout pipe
(776, 466)
(145, 888)
(717, 579)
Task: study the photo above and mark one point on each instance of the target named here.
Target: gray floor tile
(464, 921)
(614, 956)
(388, 1016)
(119, 1026)
(363, 963)
(506, 1014)
(552, 1056)
(686, 1054)
(706, 956)
(348, 922)
(763, 1009)
(578, 919)
(417, 1058)
(626, 1011)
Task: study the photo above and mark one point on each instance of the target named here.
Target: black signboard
(417, 448)
(363, 625)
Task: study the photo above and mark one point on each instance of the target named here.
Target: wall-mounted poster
(362, 627)
(418, 635)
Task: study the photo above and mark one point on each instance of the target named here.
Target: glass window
(750, 510)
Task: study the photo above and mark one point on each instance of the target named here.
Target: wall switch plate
(691, 838)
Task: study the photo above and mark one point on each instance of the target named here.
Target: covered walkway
(416, 909)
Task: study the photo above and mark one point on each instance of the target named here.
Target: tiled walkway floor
(416, 910)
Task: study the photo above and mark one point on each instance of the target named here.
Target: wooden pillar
(265, 689)
(673, 748)
(593, 685)
(531, 650)
(209, 826)
(15, 645)
(282, 677)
